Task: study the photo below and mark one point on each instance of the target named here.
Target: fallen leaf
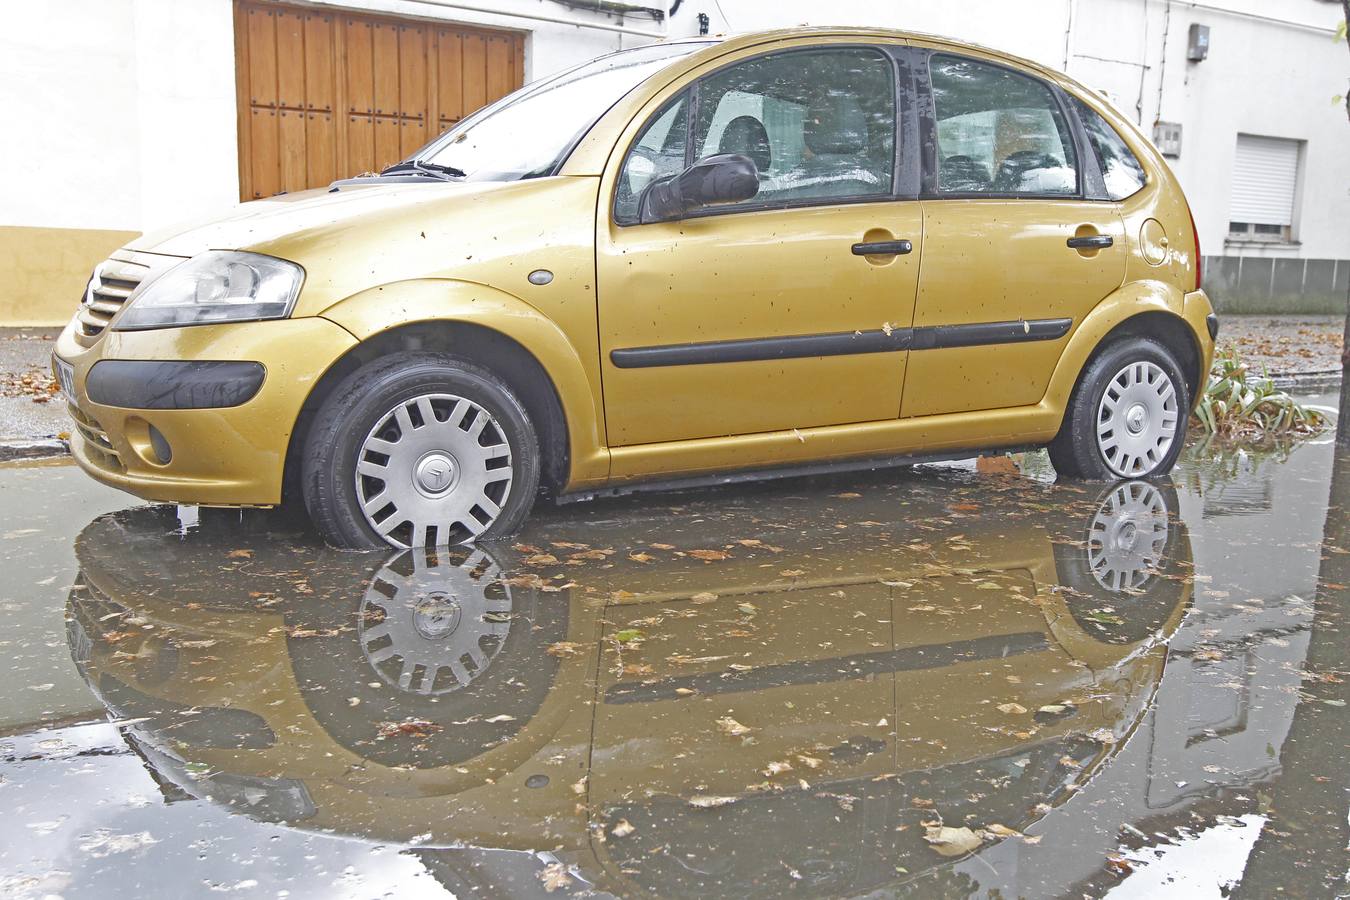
(555, 876)
(731, 727)
(629, 635)
(623, 828)
(240, 554)
(709, 801)
(704, 597)
(564, 648)
(777, 768)
(951, 841)
(502, 718)
(406, 728)
(1012, 709)
(709, 555)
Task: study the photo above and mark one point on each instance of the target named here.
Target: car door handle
(1090, 242)
(882, 248)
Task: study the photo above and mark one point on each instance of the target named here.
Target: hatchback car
(696, 261)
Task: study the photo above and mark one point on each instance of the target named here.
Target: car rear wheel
(420, 449)
(1127, 416)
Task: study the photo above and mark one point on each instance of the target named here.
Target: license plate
(65, 377)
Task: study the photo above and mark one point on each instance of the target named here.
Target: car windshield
(527, 134)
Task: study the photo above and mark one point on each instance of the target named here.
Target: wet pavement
(932, 683)
(1285, 345)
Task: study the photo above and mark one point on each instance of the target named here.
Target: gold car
(693, 261)
(738, 691)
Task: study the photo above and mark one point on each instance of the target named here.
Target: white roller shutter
(1265, 175)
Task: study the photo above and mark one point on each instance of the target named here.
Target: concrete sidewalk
(30, 407)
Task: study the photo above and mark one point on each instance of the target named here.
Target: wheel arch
(1151, 310)
(486, 327)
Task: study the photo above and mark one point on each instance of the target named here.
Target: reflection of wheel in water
(1123, 581)
(1128, 536)
(431, 622)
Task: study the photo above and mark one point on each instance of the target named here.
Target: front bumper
(222, 455)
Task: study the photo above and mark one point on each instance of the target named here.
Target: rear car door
(1014, 255)
(765, 315)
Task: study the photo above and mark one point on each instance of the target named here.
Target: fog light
(160, 444)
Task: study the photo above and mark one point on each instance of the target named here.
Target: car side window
(657, 153)
(819, 124)
(1120, 167)
(999, 132)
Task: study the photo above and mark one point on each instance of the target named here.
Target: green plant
(1237, 405)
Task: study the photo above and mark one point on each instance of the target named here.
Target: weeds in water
(1237, 404)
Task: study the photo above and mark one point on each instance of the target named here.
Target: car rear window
(1120, 167)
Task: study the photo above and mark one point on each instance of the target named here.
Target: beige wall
(46, 270)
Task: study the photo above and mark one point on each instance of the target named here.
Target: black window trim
(1096, 161)
(905, 164)
(1088, 171)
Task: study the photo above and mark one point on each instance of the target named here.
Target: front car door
(1014, 252)
(764, 316)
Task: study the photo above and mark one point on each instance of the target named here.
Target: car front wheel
(420, 449)
(1127, 417)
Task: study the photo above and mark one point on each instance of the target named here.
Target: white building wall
(123, 111)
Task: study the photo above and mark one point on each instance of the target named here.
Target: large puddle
(939, 682)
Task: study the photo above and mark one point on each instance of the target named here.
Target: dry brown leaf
(710, 801)
(731, 727)
(951, 841)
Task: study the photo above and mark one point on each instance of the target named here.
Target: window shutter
(1265, 175)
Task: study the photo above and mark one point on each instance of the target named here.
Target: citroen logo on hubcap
(1134, 419)
(436, 473)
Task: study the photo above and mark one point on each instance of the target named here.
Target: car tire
(1127, 416)
(471, 474)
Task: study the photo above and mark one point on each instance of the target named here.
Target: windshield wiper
(431, 170)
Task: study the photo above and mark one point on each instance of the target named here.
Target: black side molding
(842, 343)
(800, 346)
(936, 337)
(176, 384)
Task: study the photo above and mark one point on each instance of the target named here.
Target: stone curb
(32, 448)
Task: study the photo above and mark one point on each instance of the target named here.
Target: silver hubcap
(1137, 419)
(434, 470)
(1127, 536)
(430, 625)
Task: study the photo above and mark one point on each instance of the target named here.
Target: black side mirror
(724, 178)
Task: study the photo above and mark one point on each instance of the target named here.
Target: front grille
(111, 285)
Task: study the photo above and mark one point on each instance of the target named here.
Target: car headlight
(217, 286)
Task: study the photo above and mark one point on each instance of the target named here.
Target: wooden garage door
(326, 94)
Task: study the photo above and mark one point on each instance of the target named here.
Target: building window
(1264, 188)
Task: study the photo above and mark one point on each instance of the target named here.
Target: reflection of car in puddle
(788, 704)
